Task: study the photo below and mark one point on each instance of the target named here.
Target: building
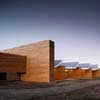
(11, 66)
(74, 73)
(39, 61)
(59, 73)
(96, 71)
(72, 70)
(86, 70)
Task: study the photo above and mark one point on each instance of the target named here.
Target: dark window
(3, 76)
(18, 76)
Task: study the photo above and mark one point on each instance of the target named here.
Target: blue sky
(74, 25)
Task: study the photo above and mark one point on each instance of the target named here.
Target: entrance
(3, 76)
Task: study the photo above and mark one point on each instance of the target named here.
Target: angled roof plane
(57, 63)
(85, 65)
(70, 65)
(95, 67)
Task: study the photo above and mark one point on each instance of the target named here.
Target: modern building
(67, 70)
(96, 71)
(86, 70)
(32, 62)
(59, 73)
(72, 70)
(12, 66)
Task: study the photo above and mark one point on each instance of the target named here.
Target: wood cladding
(73, 73)
(96, 74)
(59, 73)
(87, 74)
(12, 63)
(40, 60)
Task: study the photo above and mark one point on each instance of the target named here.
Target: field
(59, 90)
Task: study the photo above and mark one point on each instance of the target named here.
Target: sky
(74, 25)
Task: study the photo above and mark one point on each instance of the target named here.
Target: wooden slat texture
(40, 60)
(12, 63)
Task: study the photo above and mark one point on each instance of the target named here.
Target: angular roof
(95, 67)
(57, 63)
(85, 65)
(70, 65)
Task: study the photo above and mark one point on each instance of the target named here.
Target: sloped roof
(85, 65)
(67, 65)
(70, 65)
(95, 67)
(57, 63)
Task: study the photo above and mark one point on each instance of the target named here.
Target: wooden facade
(87, 74)
(96, 74)
(59, 73)
(73, 73)
(11, 65)
(40, 61)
